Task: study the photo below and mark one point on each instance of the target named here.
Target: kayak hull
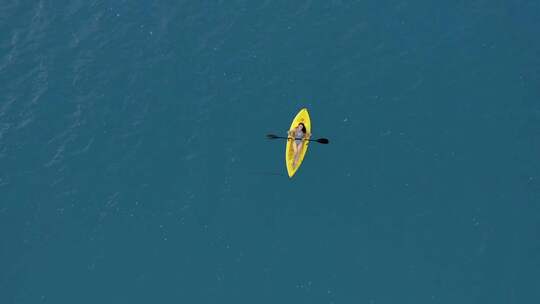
(301, 117)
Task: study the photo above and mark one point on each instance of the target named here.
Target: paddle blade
(323, 141)
(271, 136)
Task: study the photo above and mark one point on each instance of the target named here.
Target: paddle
(320, 140)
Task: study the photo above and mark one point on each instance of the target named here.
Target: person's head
(301, 127)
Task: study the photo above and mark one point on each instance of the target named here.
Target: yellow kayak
(301, 117)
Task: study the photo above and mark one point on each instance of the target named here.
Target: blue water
(134, 166)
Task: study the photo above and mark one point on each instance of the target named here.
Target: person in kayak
(298, 134)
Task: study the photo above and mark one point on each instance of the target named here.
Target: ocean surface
(134, 166)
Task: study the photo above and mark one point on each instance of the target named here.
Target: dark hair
(303, 127)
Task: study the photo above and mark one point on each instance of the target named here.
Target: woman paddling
(298, 134)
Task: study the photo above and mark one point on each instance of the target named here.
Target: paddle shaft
(282, 137)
